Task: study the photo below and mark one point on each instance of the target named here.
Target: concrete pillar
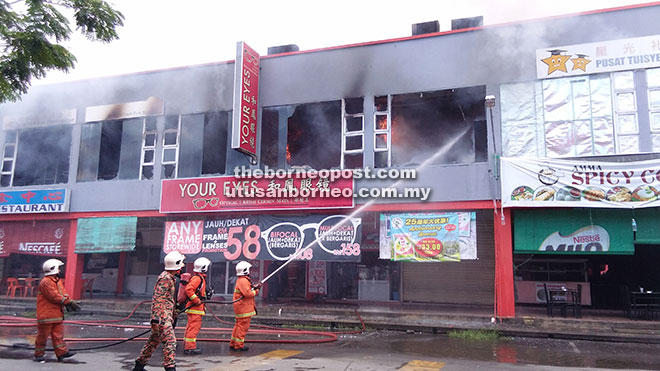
(74, 264)
(505, 302)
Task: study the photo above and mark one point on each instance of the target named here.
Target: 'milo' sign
(246, 95)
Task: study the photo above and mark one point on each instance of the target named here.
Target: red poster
(230, 193)
(44, 238)
(184, 237)
(246, 99)
(316, 279)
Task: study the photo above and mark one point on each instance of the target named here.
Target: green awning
(106, 235)
(648, 225)
(579, 231)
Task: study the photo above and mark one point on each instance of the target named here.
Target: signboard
(317, 278)
(230, 193)
(575, 231)
(106, 235)
(330, 237)
(395, 241)
(598, 57)
(34, 201)
(153, 106)
(528, 182)
(39, 119)
(43, 238)
(246, 100)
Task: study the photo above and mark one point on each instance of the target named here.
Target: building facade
(91, 169)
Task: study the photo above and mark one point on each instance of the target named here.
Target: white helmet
(52, 266)
(174, 261)
(243, 268)
(201, 265)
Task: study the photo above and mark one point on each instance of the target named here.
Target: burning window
(110, 150)
(443, 127)
(314, 135)
(203, 149)
(41, 156)
(270, 137)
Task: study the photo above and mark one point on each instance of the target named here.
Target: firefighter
(163, 314)
(196, 291)
(50, 299)
(244, 307)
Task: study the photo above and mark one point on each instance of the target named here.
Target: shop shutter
(465, 282)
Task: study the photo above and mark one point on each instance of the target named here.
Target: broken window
(270, 137)
(314, 135)
(149, 138)
(352, 133)
(203, 148)
(170, 147)
(382, 132)
(110, 150)
(437, 127)
(36, 156)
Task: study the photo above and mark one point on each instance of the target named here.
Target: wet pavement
(369, 350)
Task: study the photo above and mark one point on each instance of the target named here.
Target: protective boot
(170, 368)
(65, 356)
(138, 366)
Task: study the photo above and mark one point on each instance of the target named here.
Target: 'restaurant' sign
(578, 183)
(266, 237)
(598, 57)
(246, 96)
(34, 201)
(230, 193)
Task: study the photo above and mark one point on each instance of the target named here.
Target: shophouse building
(108, 174)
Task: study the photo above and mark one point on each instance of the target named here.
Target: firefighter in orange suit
(163, 314)
(50, 300)
(195, 292)
(244, 307)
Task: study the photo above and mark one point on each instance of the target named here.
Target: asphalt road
(371, 350)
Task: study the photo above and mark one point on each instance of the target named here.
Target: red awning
(43, 238)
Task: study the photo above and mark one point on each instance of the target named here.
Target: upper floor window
(111, 150)
(36, 156)
(436, 127)
(203, 144)
(314, 135)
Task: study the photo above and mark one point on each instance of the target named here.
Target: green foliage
(474, 334)
(31, 32)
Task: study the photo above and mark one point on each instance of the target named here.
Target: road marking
(281, 353)
(575, 348)
(259, 360)
(418, 365)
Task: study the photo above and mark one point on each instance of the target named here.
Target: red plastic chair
(30, 286)
(12, 286)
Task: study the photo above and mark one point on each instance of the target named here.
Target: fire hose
(326, 336)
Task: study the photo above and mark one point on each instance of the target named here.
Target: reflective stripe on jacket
(244, 307)
(196, 284)
(51, 297)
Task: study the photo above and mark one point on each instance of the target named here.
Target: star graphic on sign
(580, 63)
(556, 61)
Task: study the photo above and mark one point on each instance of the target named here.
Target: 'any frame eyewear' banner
(530, 182)
(266, 238)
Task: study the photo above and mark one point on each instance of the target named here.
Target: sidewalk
(530, 321)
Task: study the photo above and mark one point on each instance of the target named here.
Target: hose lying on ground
(325, 336)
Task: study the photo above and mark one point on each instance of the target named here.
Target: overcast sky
(161, 34)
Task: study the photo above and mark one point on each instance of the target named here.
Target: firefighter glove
(72, 307)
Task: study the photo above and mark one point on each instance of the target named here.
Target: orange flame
(288, 154)
(382, 122)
